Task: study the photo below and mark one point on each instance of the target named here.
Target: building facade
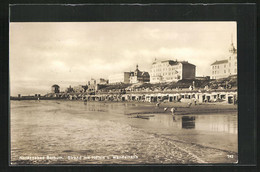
(227, 67)
(139, 76)
(119, 78)
(96, 84)
(171, 70)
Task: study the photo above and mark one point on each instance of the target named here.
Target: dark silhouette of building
(55, 88)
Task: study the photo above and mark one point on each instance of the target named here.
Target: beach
(184, 108)
(74, 132)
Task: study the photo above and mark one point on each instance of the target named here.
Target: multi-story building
(171, 70)
(119, 78)
(139, 76)
(227, 67)
(96, 84)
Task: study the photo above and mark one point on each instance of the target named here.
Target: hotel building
(227, 67)
(171, 70)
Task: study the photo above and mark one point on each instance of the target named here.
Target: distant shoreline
(36, 98)
(145, 108)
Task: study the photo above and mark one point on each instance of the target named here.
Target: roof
(220, 62)
(164, 61)
(167, 61)
(186, 63)
(174, 62)
(55, 85)
(145, 74)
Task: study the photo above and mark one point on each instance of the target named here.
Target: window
(229, 70)
(224, 66)
(229, 64)
(224, 71)
(212, 72)
(230, 58)
(218, 67)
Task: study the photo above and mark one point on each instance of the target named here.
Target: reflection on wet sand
(226, 123)
(188, 122)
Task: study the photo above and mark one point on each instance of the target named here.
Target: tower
(232, 60)
(136, 70)
(232, 48)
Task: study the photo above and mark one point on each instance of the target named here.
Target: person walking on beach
(173, 115)
(173, 111)
(194, 100)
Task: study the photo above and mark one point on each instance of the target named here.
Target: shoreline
(183, 108)
(184, 113)
(143, 108)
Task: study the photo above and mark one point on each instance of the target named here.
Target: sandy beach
(180, 108)
(62, 128)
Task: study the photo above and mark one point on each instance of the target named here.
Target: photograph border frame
(245, 35)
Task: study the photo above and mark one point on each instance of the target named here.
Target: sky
(71, 53)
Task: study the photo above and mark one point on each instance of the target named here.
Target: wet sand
(183, 108)
(149, 110)
(72, 128)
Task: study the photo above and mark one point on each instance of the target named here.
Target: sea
(63, 132)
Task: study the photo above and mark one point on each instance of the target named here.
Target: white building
(171, 70)
(227, 67)
(123, 77)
